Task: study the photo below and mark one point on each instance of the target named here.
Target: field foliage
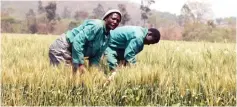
(169, 73)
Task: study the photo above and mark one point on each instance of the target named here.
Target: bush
(73, 24)
(202, 32)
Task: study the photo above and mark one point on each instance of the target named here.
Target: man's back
(121, 36)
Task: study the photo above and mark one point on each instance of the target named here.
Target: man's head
(152, 37)
(112, 19)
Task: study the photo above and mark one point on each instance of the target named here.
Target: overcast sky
(220, 8)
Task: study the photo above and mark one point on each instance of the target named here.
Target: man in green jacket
(90, 39)
(126, 42)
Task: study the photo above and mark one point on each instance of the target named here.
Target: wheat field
(171, 73)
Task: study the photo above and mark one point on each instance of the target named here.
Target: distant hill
(22, 7)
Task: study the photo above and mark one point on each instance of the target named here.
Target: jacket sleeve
(96, 59)
(87, 33)
(133, 48)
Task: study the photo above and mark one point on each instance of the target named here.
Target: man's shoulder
(97, 22)
(128, 27)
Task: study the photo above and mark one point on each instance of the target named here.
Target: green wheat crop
(169, 73)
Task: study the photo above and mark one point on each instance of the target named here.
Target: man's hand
(111, 77)
(122, 63)
(79, 67)
(82, 69)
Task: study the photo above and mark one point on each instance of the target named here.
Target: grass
(169, 73)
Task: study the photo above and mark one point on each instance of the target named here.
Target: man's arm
(94, 61)
(84, 35)
(133, 48)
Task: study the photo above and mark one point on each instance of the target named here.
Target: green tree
(99, 11)
(145, 9)
(31, 21)
(51, 10)
(125, 16)
(66, 13)
(196, 12)
(51, 16)
(80, 15)
(7, 21)
(40, 7)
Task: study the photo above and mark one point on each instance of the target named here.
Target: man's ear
(149, 33)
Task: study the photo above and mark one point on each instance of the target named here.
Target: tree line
(193, 24)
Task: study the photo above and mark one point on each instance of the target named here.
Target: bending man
(127, 42)
(90, 39)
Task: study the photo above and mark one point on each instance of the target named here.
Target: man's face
(112, 21)
(149, 39)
